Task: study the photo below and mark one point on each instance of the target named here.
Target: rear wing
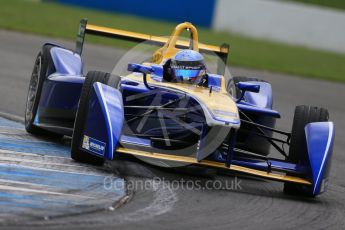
(221, 51)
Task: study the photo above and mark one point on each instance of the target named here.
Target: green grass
(61, 21)
(337, 4)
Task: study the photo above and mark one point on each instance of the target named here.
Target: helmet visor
(187, 71)
(186, 75)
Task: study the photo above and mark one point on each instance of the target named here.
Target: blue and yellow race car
(172, 111)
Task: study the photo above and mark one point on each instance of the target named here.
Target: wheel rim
(34, 83)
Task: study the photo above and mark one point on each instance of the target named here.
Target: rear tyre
(298, 152)
(42, 68)
(77, 153)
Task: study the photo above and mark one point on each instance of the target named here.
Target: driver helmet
(187, 66)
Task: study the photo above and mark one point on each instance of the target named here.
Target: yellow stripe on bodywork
(190, 160)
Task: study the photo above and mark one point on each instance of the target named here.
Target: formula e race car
(171, 111)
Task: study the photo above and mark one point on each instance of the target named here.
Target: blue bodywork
(320, 137)
(261, 102)
(61, 90)
(104, 127)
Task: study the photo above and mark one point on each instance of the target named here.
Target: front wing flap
(320, 138)
(104, 121)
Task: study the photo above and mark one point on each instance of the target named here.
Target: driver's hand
(203, 81)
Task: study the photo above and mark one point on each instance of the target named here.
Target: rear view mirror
(138, 68)
(246, 86)
(144, 69)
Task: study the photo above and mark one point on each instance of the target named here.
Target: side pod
(320, 138)
(104, 120)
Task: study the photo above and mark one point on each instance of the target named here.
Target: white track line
(12, 117)
(55, 170)
(4, 181)
(4, 151)
(41, 191)
(43, 164)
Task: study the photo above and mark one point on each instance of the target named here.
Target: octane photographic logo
(164, 122)
(234, 184)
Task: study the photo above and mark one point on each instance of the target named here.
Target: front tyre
(42, 68)
(298, 152)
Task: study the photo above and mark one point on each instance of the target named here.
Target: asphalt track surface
(257, 204)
